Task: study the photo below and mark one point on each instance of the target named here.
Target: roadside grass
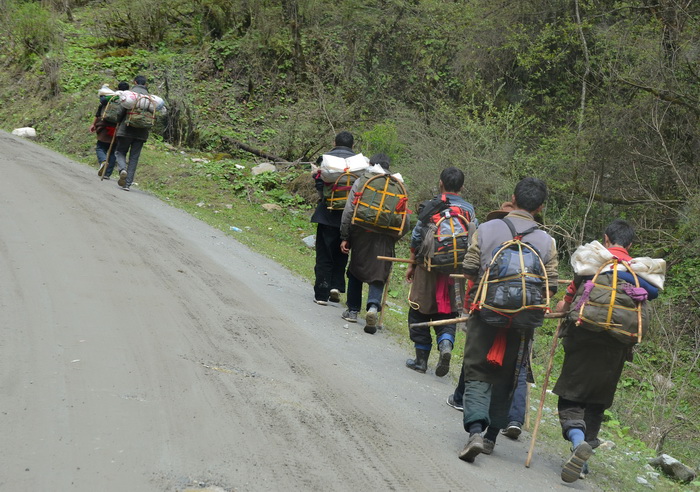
(194, 183)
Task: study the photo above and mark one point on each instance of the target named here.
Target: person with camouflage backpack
(493, 354)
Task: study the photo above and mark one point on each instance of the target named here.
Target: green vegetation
(598, 98)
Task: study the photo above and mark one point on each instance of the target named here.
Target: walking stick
(384, 295)
(526, 425)
(109, 151)
(544, 393)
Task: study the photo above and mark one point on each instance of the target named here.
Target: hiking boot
(451, 402)
(474, 447)
(320, 302)
(443, 365)
(371, 319)
(420, 363)
(513, 430)
(102, 169)
(488, 446)
(334, 296)
(573, 467)
(122, 178)
(350, 316)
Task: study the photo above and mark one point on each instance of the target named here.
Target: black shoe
(443, 366)
(334, 296)
(474, 447)
(451, 402)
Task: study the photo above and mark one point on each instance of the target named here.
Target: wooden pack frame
(147, 114)
(340, 190)
(365, 197)
(608, 324)
(485, 282)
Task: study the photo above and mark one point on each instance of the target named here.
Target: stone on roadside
(272, 207)
(25, 132)
(265, 167)
(309, 241)
(673, 468)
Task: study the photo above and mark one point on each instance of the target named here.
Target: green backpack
(143, 114)
(112, 111)
(381, 205)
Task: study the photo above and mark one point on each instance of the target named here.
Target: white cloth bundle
(377, 169)
(105, 91)
(588, 258)
(332, 167)
(128, 100)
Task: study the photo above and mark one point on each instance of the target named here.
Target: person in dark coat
(516, 415)
(593, 363)
(365, 246)
(493, 357)
(432, 296)
(130, 141)
(330, 260)
(105, 136)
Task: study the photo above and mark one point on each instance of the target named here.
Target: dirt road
(142, 350)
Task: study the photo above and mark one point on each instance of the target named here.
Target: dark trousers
(330, 262)
(133, 146)
(354, 298)
(422, 337)
(585, 416)
(487, 404)
(519, 403)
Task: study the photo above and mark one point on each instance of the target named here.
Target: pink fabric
(442, 293)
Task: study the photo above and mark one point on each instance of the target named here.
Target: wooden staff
(396, 260)
(461, 319)
(384, 296)
(555, 339)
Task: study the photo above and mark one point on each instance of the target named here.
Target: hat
(506, 208)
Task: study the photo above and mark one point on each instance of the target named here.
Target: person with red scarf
(432, 295)
(493, 356)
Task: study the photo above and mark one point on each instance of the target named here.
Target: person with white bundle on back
(134, 129)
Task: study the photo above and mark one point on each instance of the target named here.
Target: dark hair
(530, 194)
(381, 159)
(344, 139)
(452, 179)
(123, 86)
(620, 232)
(140, 80)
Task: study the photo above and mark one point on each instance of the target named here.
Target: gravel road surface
(142, 350)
